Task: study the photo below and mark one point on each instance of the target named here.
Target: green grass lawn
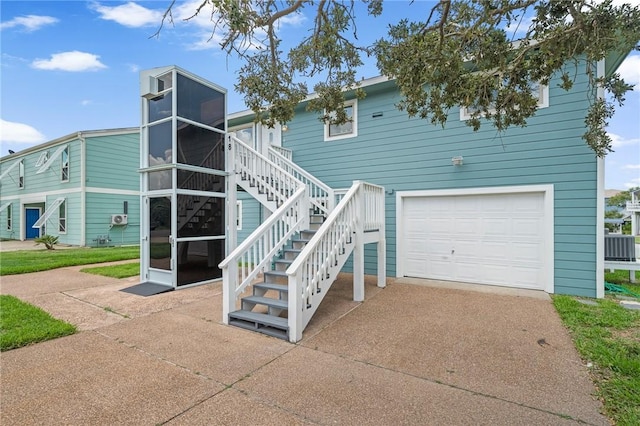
(608, 336)
(21, 262)
(115, 271)
(22, 324)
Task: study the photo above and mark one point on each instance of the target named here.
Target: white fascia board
(53, 158)
(47, 214)
(4, 206)
(11, 167)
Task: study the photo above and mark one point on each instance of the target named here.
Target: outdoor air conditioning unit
(619, 248)
(118, 219)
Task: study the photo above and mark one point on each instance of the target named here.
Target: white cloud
(631, 167)
(633, 183)
(29, 23)
(130, 15)
(19, 133)
(86, 102)
(74, 61)
(618, 141)
(630, 71)
(134, 68)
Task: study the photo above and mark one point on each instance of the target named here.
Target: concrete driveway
(410, 354)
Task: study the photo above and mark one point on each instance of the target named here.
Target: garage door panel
(489, 239)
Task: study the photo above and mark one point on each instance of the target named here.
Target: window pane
(200, 181)
(159, 180)
(343, 129)
(200, 103)
(160, 144)
(200, 216)
(160, 107)
(200, 147)
(198, 261)
(160, 231)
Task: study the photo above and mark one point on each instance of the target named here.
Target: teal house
(521, 208)
(83, 188)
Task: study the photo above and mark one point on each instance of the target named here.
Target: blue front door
(31, 216)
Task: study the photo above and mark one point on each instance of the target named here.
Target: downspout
(83, 189)
(600, 70)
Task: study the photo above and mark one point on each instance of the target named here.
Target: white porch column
(358, 250)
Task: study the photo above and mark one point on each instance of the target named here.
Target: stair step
(266, 301)
(279, 277)
(282, 288)
(263, 323)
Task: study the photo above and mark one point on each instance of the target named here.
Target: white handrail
(322, 195)
(268, 177)
(286, 153)
(362, 208)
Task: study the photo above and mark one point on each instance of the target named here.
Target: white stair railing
(316, 267)
(267, 177)
(322, 195)
(286, 153)
(254, 255)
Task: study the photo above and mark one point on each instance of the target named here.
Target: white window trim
(21, 175)
(63, 203)
(62, 166)
(354, 119)
(543, 102)
(48, 212)
(239, 215)
(9, 222)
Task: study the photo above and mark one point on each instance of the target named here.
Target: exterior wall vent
(118, 219)
(620, 248)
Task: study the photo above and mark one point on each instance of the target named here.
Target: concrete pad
(55, 281)
(326, 388)
(481, 288)
(235, 408)
(512, 348)
(89, 379)
(133, 306)
(84, 316)
(223, 353)
(339, 302)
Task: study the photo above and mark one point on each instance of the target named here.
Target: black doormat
(147, 289)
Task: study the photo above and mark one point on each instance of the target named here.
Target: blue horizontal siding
(405, 154)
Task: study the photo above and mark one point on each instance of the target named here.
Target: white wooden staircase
(274, 281)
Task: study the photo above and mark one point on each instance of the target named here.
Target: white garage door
(493, 239)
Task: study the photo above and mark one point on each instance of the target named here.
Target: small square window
(539, 91)
(345, 130)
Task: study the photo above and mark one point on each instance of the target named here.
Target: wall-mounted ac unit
(118, 219)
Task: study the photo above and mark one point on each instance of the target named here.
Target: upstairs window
(346, 130)
(64, 161)
(62, 218)
(538, 91)
(21, 174)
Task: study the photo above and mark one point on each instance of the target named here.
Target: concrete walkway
(409, 354)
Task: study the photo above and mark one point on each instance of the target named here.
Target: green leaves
(480, 55)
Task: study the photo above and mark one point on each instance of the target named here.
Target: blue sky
(73, 65)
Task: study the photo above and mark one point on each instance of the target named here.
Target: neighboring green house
(83, 188)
